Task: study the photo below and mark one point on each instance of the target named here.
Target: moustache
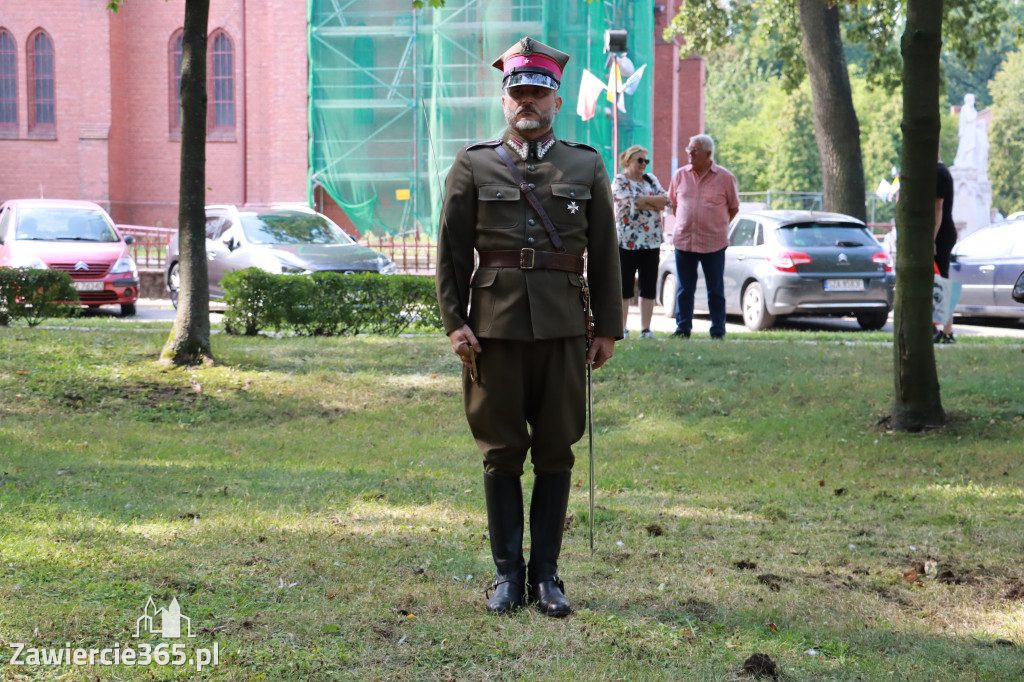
(527, 107)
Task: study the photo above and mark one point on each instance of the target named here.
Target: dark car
(987, 263)
(278, 240)
(781, 263)
(77, 237)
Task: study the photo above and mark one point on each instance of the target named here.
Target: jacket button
(572, 192)
(498, 195)
(529, 240)
(533, 186)
(531, 221)
(531, 167)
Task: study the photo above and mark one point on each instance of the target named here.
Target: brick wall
(113, 79)
(686, 119)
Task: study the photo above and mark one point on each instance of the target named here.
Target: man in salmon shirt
(704, 198)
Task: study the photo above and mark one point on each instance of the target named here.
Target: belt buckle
(523, 263)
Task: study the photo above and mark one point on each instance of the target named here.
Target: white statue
(972, 189)
(965, 152)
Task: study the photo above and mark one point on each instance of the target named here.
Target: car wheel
(127, 309)
(174, 284)
(755, 314)
(872, 320)
(668, 295)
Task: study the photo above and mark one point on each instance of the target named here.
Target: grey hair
(705, 142)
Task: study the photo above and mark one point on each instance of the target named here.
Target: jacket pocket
(498, 206)
(570, 206)
(571, 190)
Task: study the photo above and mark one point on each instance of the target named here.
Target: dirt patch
(760, 666)
(1014, 591)
(745, 565)
(771, 581)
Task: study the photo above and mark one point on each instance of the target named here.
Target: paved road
(161, 310)
(702, 325)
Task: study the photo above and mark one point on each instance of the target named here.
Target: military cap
(530, 62)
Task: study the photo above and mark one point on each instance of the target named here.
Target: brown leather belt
(529, 259)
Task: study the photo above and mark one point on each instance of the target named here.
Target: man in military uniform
(522, 343)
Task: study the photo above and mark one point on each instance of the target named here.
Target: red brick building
(109, 130)
(88, 106)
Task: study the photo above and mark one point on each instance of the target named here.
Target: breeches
(531, 397)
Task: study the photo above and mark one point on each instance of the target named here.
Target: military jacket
(484, 210)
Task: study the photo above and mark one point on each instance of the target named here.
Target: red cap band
(534, 59)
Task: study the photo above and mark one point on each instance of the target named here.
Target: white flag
(630, 86)
(591, 88)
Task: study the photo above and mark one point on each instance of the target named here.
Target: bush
(328, 303)
(34, 295)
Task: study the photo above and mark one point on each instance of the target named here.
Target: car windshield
(292, 227)
(65, 224)
(815, 234)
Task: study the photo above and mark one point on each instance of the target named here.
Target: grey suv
(782, 263)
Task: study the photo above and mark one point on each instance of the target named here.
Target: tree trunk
(917, 404)
(189, 342)
(835, 121)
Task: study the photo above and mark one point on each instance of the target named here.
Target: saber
(588, 318)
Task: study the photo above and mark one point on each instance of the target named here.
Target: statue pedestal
(972, 200)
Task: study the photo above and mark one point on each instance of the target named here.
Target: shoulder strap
(484, 143)
(527, 191)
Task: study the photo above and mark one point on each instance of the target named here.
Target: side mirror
(129, 240)
(230, 243)
(1018, 289)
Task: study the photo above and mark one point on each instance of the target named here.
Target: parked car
(782, 263)
(77, 237)
(987, 263)
(280, 239)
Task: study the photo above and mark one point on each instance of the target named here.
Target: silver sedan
(783, 263)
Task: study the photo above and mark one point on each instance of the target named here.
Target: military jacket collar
(526, 149)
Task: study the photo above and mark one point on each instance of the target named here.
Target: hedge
(328, 303)
(33, 295)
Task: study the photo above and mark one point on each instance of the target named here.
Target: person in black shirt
(945, 238)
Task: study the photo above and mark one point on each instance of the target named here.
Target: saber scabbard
(588, 317)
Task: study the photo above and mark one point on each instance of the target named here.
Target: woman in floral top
(639, 201)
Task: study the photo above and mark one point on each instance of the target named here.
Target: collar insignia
(522, 148)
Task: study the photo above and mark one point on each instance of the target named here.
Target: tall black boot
(547, 521)
(504, 495)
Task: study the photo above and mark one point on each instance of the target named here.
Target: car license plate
(88, 286)
(844, 285)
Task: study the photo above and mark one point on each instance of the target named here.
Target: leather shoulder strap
(485, 143)
(527, 191)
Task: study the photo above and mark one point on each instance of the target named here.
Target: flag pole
(614, 81)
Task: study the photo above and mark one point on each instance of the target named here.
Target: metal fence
(150, 246)
(413, 255)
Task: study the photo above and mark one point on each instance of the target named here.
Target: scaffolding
(395, 92)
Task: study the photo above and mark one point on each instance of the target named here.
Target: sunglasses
(642, 162)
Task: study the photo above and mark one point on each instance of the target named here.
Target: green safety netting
(395, 92)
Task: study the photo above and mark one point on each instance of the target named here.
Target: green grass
(315, 505)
